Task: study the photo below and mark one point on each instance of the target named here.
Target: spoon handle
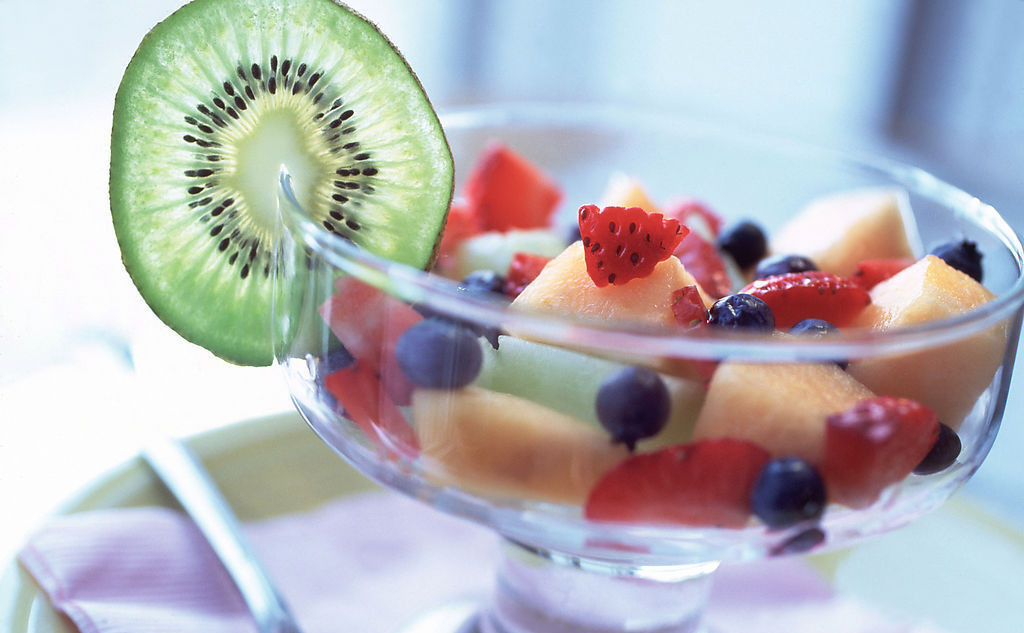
(183, 474)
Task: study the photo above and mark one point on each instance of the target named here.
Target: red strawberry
(701, 259)
(523, 269)
(359, 392)
(876, 443)
(688, 307)
(686, 208)
(871, 272)
(369, 322)
(621, 244)
(707, 482)
(689, 311)
(461, 224)
(505, 191)
(811, 294)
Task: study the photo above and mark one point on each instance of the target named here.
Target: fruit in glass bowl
(736, 435)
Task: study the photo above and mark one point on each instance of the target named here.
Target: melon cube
(564, 286)
(948, 379)
(498, 444)
(625, 191)
(840, 230)
(494, 250)
(568, 381)
(781, 407)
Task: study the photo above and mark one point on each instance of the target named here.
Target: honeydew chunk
(949, 379)
(840, 230)
(499, 444)
(494, 250)
(782, 407)
(565, 287)
(568, 381)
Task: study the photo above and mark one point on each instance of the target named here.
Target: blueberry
(338, 358)
(483, 282)
(788, 491)
(800, 542)
(813, 327)
(943, 453)
(963, 255)
(633, 403)
(439, 354)
(573, 234)
(783, 264)
(817, 328)
(741, 311)
(745, 242)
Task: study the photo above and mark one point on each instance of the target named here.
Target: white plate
(957, 569)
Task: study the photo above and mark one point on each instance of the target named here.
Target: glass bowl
(516, 445)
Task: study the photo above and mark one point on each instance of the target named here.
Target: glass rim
(442, 295)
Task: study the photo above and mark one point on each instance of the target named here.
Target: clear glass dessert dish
(501, 426)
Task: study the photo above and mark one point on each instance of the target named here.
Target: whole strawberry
(814, 294)
(625, 243)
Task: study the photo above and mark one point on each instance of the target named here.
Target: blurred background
(939, 83)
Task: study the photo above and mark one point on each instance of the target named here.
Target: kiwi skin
(207, 316)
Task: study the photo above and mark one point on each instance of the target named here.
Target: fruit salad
(515, 383)
(686, 441)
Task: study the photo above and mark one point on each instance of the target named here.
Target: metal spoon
(189, 482)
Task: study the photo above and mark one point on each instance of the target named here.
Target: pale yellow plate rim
(275, 465)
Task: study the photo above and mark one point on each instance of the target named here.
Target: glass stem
(539, 591)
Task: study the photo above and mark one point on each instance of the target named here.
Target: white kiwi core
(276, 137)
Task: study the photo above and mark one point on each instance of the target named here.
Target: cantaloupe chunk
(498, 444)
(840, 230)
(781, 407)
(949, 379)
(625, 191)
(565, 287)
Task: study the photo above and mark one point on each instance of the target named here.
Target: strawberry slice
(505, 191)
(689, 311)
(872, 272)
(707, 483)
(461, 224)
(523, 269)
(688, 307)
(625, 243)
(359, 392)
(369, 322)
(811, 294)
(874, 444)
(702, 259)
(687, 208)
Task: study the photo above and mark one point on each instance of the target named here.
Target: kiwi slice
(217, 98)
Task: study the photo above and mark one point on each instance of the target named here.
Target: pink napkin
(370, 562)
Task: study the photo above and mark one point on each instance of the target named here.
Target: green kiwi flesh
(217, 98)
